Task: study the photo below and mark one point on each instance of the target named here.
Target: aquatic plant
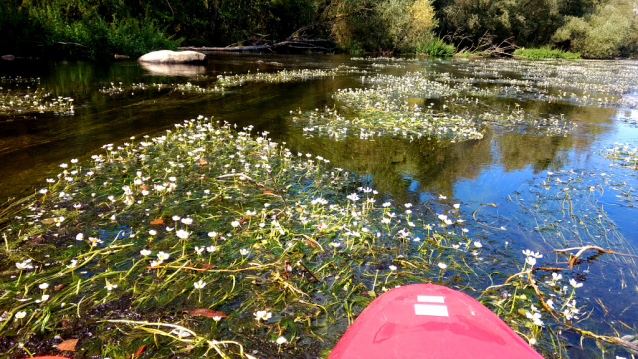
(210, 240)
(223, 82)
(204, 218)
(16, 102)
(623, 154)
(395, 105)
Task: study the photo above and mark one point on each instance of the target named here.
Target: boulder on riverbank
(173, 57)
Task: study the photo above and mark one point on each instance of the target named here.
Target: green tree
(384, 25)
(610, 31)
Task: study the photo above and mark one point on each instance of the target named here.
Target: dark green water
(484, 175)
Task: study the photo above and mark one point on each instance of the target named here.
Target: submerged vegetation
(210, 240)
(213, 240)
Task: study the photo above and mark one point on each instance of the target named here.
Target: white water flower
(531, 261)
(176, 218)
(21, 314)
(187, 221)
(182, 234)
(442, 265)
(181, 333)
(152, 232)
(162, 256)
(243, 251)
(199, 285)
(235, 224)
(353, 197)
(79, 237)
(281, 340)
(392, 267)
(43, 286)
(478, 244)
(575, 284)
(262, 315)
(109, 286)
(199, 250)
(145, 252)
(529, 253)
(212, 234)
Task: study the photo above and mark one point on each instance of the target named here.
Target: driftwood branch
(630, 346)
(299, 45)
(582, 250)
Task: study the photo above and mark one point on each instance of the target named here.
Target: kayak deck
(429, 321)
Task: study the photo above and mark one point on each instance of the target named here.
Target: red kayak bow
(429, 321)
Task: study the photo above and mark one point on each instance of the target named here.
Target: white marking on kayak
(430, 299)
(431, 309)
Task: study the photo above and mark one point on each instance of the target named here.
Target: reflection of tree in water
(517, 151)
(394, 164)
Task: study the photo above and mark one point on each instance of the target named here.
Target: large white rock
(172, 57)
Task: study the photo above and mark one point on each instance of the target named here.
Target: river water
(497, 178)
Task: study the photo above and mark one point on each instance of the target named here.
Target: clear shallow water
(499, 169)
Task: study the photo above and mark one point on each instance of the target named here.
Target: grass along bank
(546, 53)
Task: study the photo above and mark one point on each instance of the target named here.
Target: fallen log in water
(296, 46)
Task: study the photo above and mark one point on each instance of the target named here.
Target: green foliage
(522, 22)
(610, 31)
(546, 53)
(388, 25)
(74, 27)
(435, 47)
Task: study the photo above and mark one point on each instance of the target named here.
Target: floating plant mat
(208, 240)
(17, 102)
(623, 155)
(591, 83)
(223, 82)
(396, 106)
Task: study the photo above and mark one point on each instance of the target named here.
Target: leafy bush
(384, 25)
(435, 47)
(610, 31)
(546, 53)
(70, 29)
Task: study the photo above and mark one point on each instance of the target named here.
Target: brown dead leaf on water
(157, 221)
(59, 286)
(205, 312)
(202, 162)
(139, 351)
(68, 344)
(143, 187)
